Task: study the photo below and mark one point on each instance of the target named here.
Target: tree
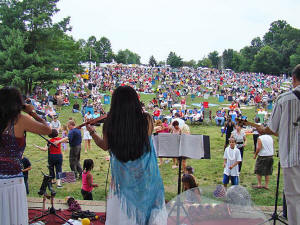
(236, 61)
(191, 63)
(103, 48)
(214, 58)
(127, 57)
(227, 58)
(284, 39)
(295, 58)
(267, 61)
(174, 61)
(152, 61)
(121, 57)
(33, 49)
(161, 63)
(205, 62)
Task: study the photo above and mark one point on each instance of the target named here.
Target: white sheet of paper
(168, 145)
(191, 146)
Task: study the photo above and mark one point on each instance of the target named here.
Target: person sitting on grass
(87, 180)
(232, 157)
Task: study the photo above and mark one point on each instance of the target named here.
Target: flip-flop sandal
(266, 188)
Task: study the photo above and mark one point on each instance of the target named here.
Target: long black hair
(11, 104)
(126, 126)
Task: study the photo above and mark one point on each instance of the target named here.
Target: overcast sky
(190, 28)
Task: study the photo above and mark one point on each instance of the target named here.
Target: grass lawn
(207, 172)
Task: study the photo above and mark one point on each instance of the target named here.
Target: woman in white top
(241, 141)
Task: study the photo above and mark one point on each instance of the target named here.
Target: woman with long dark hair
(13, 125)
(136, 191)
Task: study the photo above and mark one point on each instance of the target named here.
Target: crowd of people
(165, 113)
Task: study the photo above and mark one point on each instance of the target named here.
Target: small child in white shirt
(232, 157)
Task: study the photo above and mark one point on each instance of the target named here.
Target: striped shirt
(284, 121)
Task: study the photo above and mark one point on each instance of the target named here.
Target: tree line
(34, 49)
(276, 53)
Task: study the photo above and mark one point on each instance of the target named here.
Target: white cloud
(191, 28)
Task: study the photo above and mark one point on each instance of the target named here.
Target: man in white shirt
(264, 162)
(180, 121)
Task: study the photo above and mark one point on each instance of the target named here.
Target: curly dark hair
(11, 105)
(187, 178)
(127, 125)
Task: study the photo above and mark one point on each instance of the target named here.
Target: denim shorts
(234, 179)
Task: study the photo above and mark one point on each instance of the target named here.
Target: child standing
(26, 166)
(87, 180)
(175, 130)
(232, 157)
(63, 135)
(55, 157)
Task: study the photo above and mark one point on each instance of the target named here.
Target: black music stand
(275, 215)
(51, 211)
(179, 204)
(161, 152)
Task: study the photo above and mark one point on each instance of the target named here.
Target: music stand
(181, 146)
(179, 204)
(51, 211)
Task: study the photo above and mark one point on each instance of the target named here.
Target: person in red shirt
(55, 157)
(156, 113)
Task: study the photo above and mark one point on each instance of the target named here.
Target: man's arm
(265, 130)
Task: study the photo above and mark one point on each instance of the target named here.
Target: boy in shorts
(232, 157)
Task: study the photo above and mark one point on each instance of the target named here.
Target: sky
(191, 28)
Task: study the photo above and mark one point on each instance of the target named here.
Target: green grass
(207, 172)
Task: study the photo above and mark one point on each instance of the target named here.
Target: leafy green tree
(227, 58)
(33, 49)
(103, 48)
(205, 62)
(174, 61)
(232, 59)
(236, 61)
(191, 63)
(152, 61)
(121, 57)
(295, 58)
(267, 61)
(214, 58)
(284, 39)
(127, 57)
(161, 63)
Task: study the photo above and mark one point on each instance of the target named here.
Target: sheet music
(191, 146)
(168, 145)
